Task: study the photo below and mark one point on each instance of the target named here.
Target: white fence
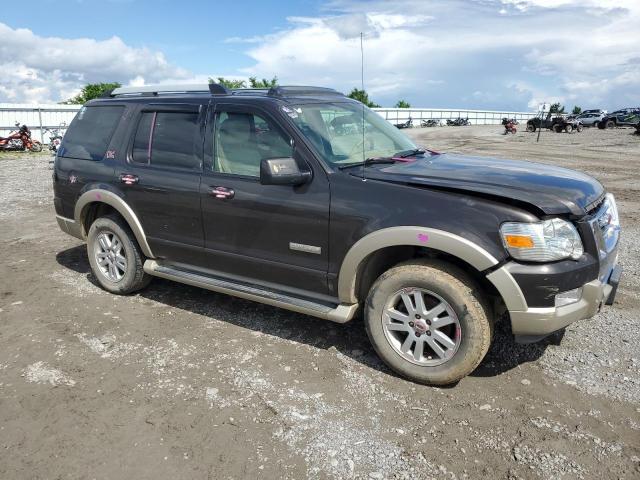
(38, 118)
(476, 117)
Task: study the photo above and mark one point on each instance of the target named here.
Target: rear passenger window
(167, 139)
(90, 132)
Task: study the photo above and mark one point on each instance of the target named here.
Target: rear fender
(99, 195)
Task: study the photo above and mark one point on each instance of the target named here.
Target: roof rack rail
(212, 88)
(249, 91)
(290, 91)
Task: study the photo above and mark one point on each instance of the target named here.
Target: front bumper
(533, 324)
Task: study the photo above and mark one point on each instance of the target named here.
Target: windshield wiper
(369, 161)
(409, 153)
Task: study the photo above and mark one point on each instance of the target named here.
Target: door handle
(129, 179)
(223, 193)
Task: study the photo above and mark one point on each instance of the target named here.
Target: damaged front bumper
(533, 324)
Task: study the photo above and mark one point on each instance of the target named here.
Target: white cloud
(493, 54)
(517, 52)
(50, 69)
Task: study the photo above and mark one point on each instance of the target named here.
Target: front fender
(417, 236)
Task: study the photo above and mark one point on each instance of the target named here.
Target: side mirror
(282, 171)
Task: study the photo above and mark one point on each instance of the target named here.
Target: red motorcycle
(509, 125)
(20, 140)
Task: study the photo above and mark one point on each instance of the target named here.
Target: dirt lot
(177, 382)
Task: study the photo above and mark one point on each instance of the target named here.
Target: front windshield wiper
(409, 153)
(368, 161)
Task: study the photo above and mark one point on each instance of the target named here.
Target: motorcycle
(20, 140)
(407, 124)
(430, 123)
(55, 137)
(509, 125)
(458, 122)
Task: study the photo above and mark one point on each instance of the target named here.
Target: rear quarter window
(90, 132)
(167, 139)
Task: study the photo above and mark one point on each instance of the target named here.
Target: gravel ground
(177, 382)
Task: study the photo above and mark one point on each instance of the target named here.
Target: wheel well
(382, 260)
(93, 211)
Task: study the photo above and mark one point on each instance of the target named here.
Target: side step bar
(341, 313)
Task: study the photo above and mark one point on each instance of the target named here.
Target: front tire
(115, 257)
(36, 147)
(610, 124)
(428, 321)
(531, 127)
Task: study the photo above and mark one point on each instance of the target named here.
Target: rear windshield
(90, 132)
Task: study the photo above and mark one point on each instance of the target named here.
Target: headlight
(548, 241)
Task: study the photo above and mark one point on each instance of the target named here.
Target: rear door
(270, 234)
(161, 178)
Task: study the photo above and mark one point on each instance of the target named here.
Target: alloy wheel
(110, 256)
(421, 326)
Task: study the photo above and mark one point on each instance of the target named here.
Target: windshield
(335, 130)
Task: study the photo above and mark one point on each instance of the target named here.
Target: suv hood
(554, 190)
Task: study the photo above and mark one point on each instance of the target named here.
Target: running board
(341, 313)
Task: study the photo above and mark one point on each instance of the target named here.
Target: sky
(480, 54)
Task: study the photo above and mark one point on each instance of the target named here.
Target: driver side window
(243, 140)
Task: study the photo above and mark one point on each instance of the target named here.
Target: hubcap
(110, 256)
(421, 327)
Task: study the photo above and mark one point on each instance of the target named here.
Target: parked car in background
(595, 110)
(590, 119)
(620, 118)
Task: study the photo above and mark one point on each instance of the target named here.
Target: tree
(229, 83)
(362, 96)
(403, 104)
(253, 82)
(91, 91)
(577, 110)
(556, 108)
(264, 83)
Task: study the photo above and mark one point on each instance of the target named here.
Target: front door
(161, 178)
(276, 235)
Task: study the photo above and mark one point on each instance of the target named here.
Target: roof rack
(249, 91)
(217, 89)
(212, 88)
(294, 91)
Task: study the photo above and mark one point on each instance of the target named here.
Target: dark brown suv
(302, 198)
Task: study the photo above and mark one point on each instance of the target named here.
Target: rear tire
(557, 128)
(569, 128)
(531, 127)
(465, 322)
(610, 124)
(36, 147)
(115, 257)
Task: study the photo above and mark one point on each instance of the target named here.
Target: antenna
(362, 86)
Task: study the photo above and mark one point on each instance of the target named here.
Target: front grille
(606, 230)
(593, 207)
